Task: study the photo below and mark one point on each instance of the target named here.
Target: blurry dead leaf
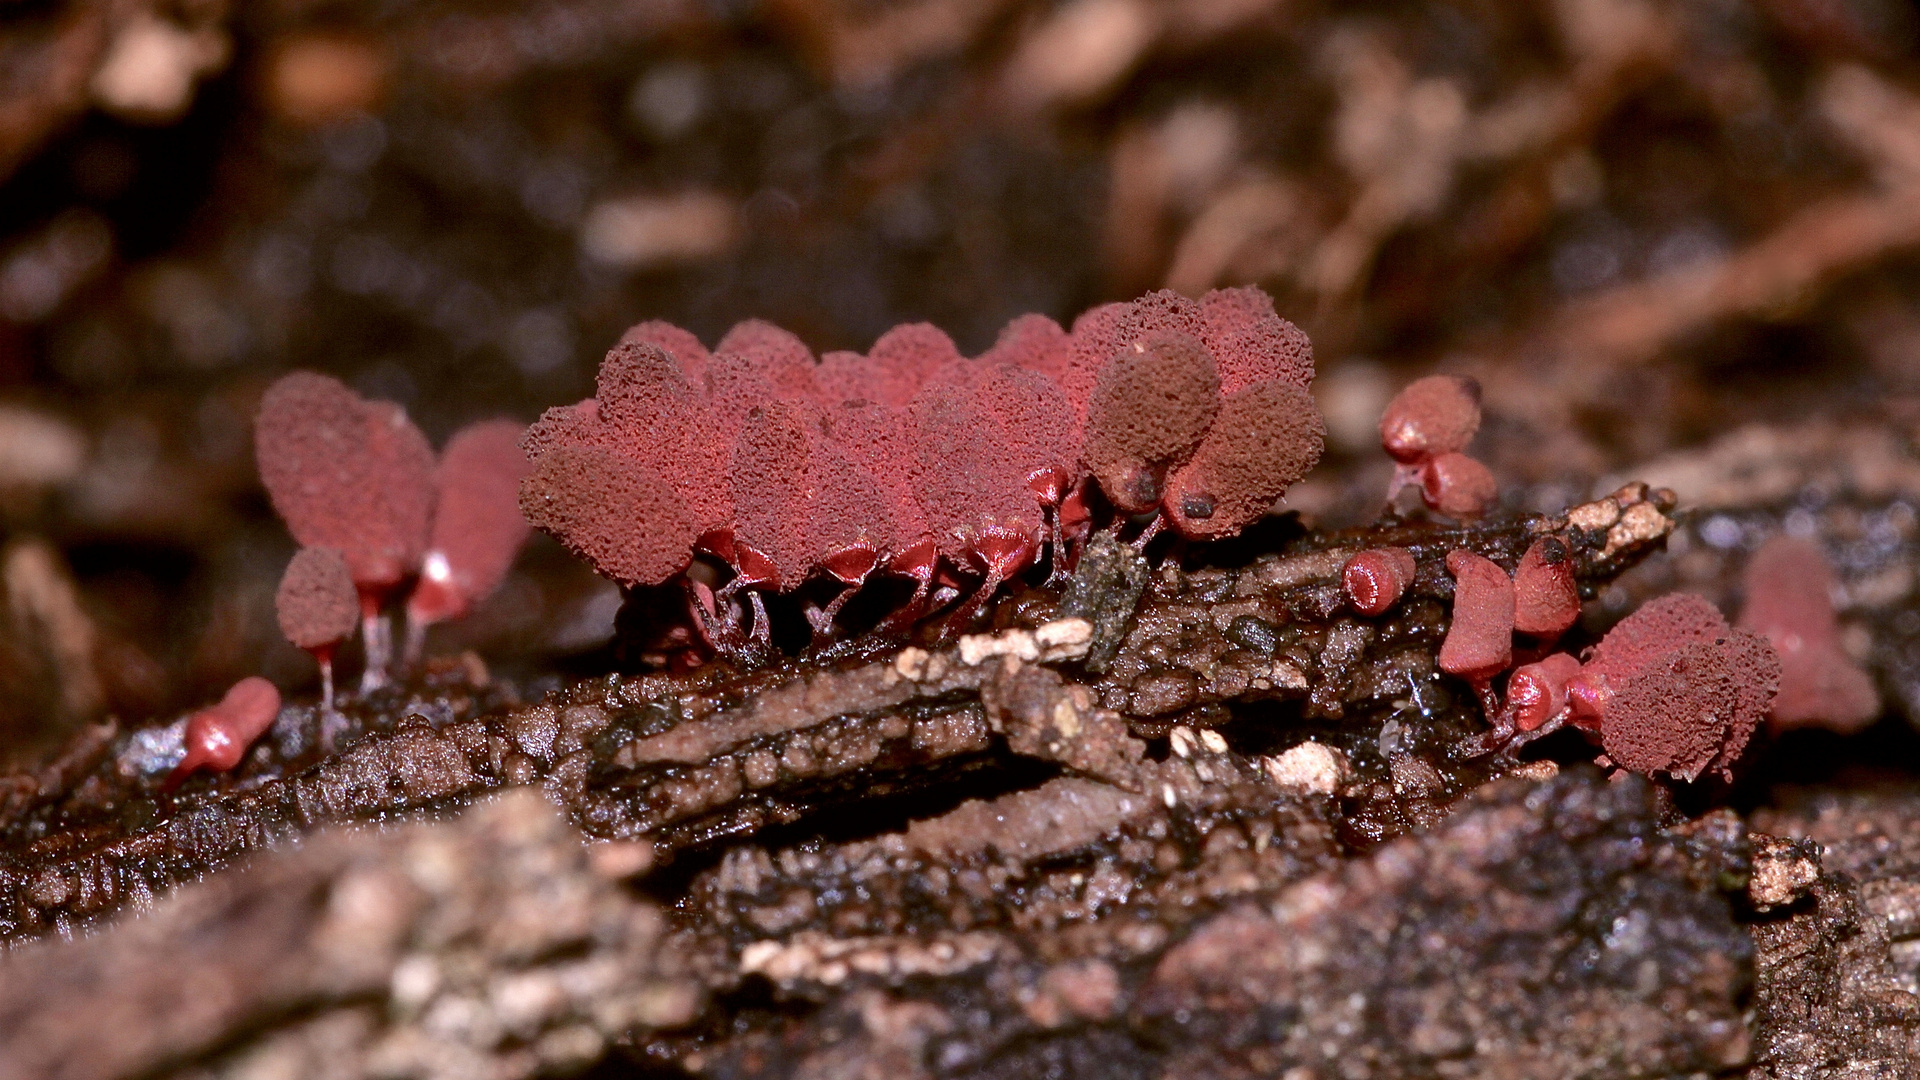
(646, 230)
(321, 78)
(1079, 51)
(151, 68)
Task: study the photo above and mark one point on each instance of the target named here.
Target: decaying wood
(686, 761)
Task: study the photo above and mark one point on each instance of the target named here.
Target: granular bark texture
(483, 946)
(1838, 993)
(689, 761)
(1208, 928)
(1435, 956)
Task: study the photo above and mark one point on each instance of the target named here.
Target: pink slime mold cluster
(1789, 588)
(1673, 689)
(915, 461)
(378, 515)
(1426, 429)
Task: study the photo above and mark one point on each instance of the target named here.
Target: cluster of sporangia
(376, 516)
(953, 472)
(912, 460)
(1672, 688)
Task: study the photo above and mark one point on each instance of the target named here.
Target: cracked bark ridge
(1077, 867)
(1207, 938)
(94, 829)
(1004, 926)
(679, 761)
(485, 946)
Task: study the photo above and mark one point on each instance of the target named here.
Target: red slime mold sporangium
(1264, 438)
(318, 608)
(1479, 641)
(1537, 692)
(477, 524)
(612, 511)
(1250, 342)
(780, 358)
(1150, 407)
(1375, 579)
(217, 737)
(1546, 600)
(686, 349)
(316, 605)
(1790, 600)
(1458, 486)
(1432, 416)
(347, 474)
(1693, 709)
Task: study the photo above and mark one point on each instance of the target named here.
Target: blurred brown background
(1644, 224)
